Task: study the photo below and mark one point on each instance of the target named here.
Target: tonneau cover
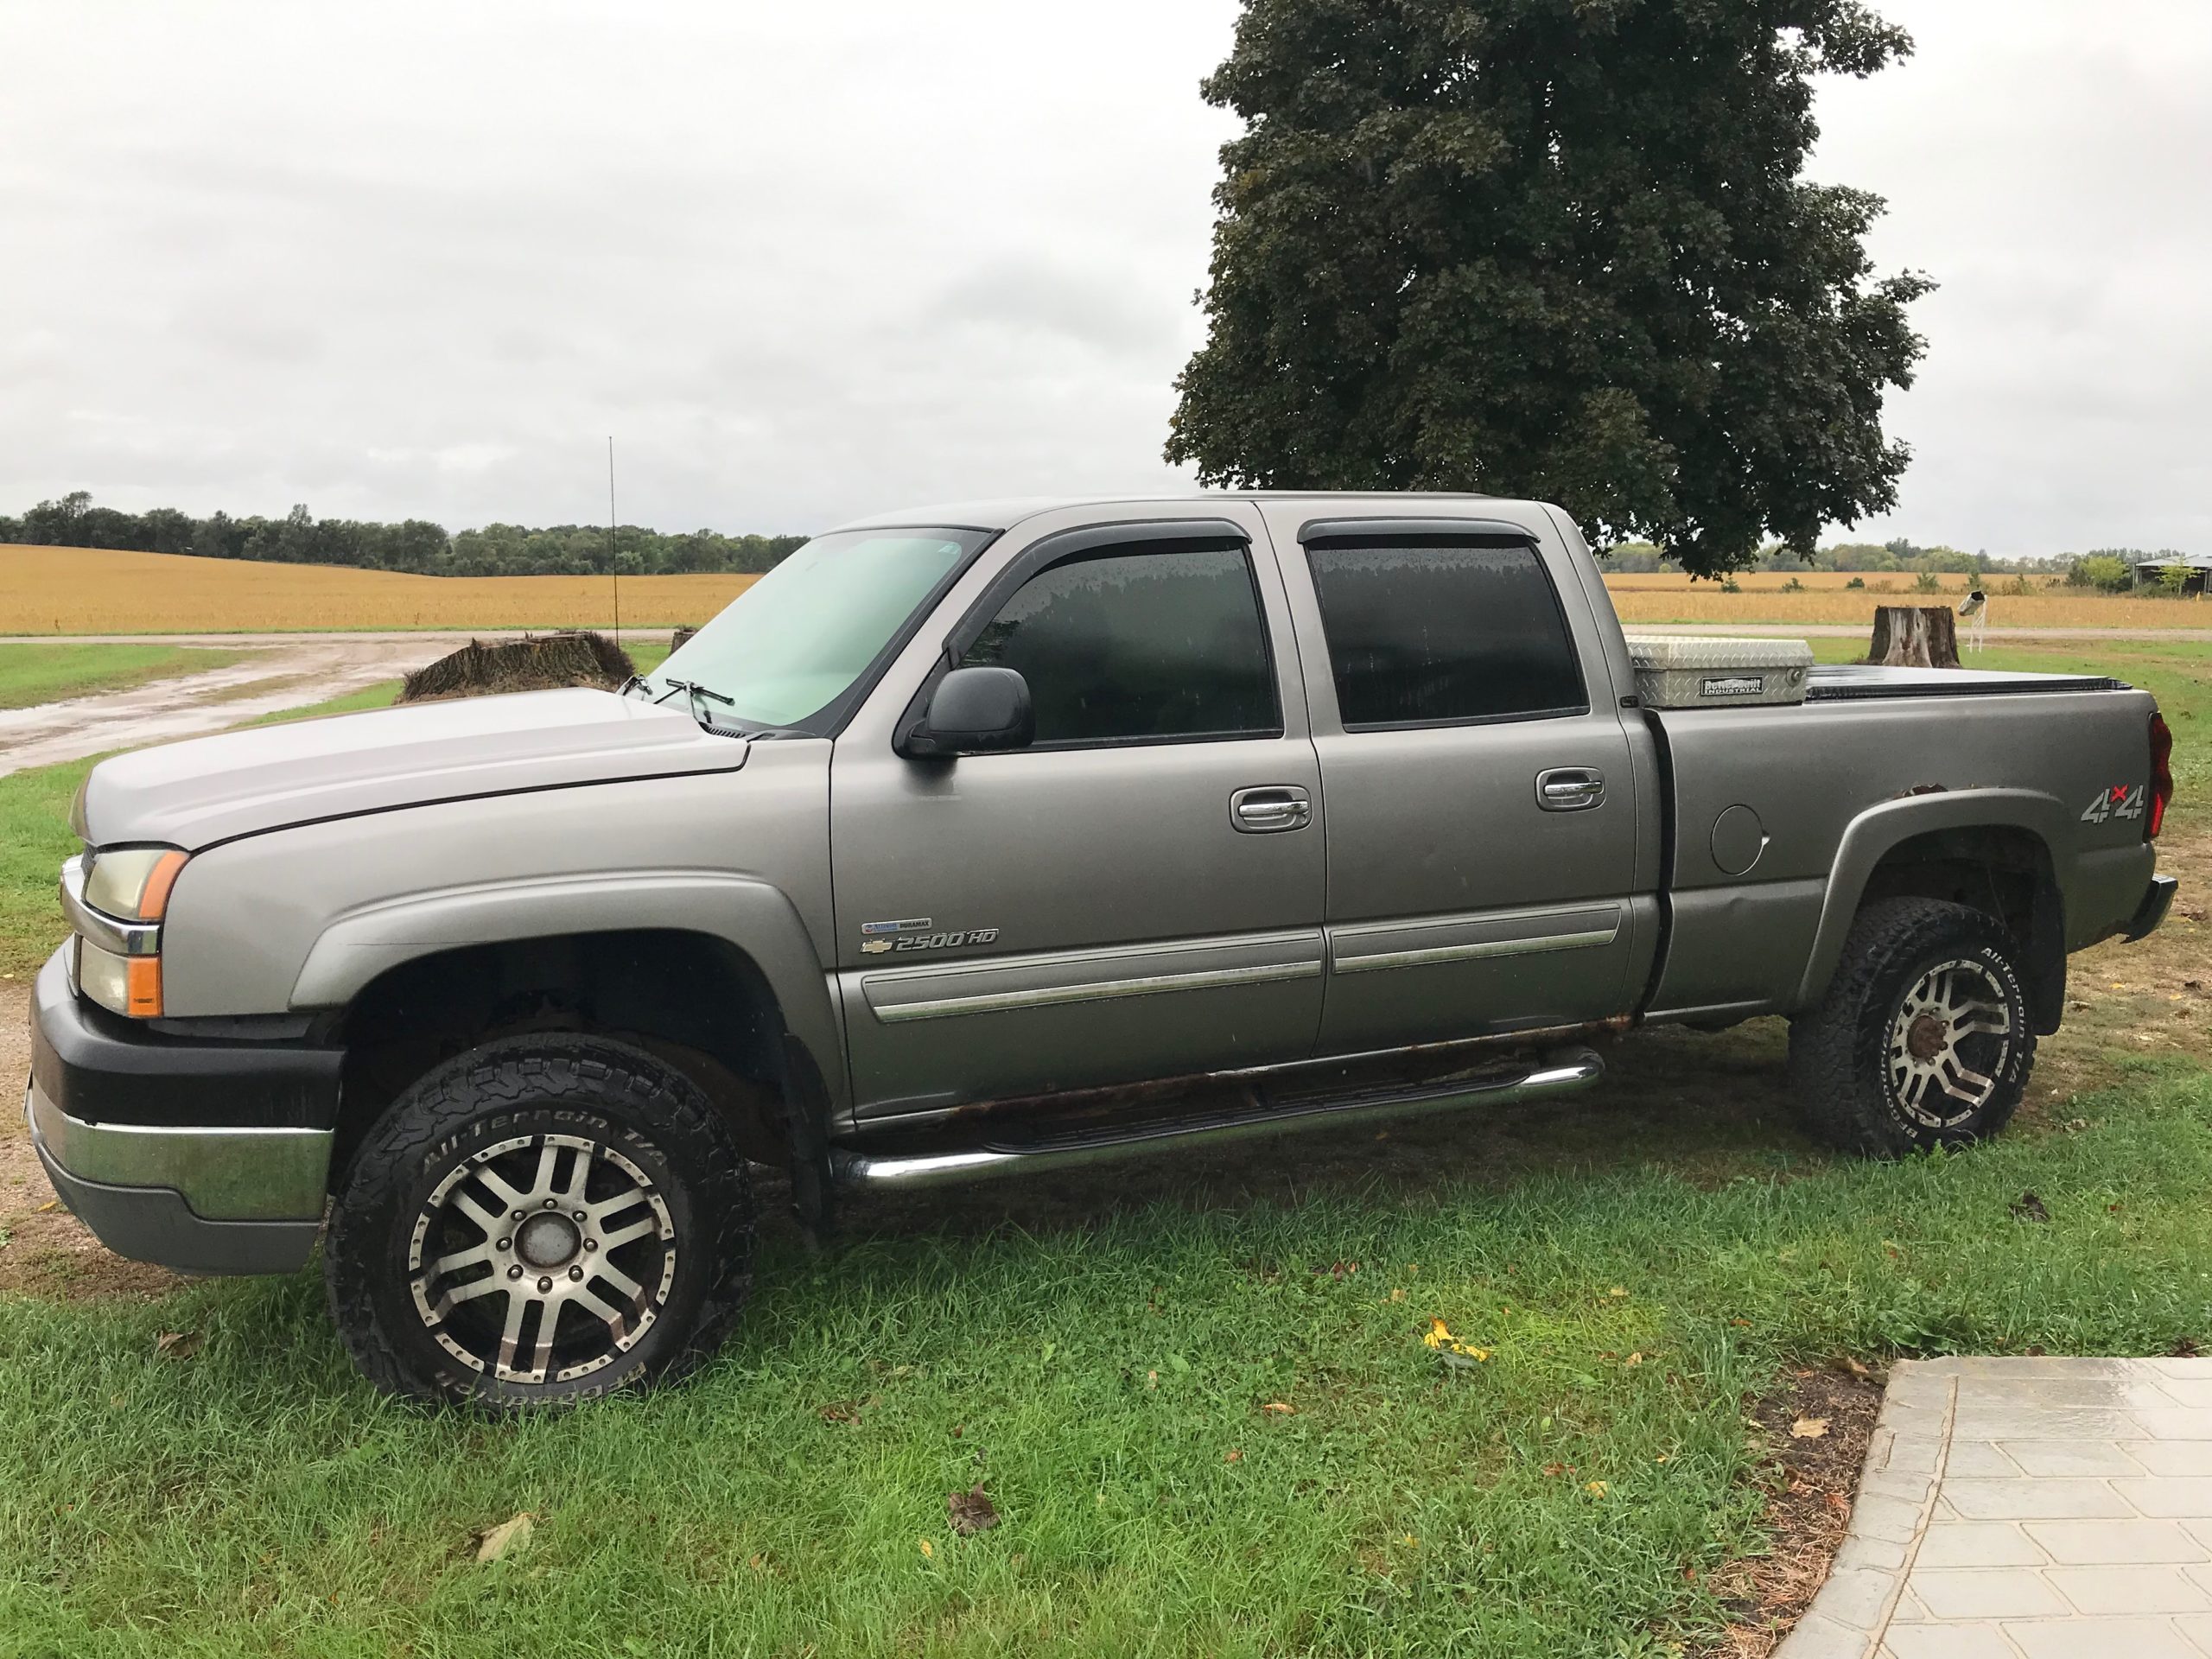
(1854, 682)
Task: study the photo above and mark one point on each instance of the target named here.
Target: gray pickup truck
(1008, 835)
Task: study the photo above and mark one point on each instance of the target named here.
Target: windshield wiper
(695, 691)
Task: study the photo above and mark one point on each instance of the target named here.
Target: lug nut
(517, 1215)
(578, 1216)
(552, 1204)
(507, 1243)
(591, 1243)
(544, 1284)
(575, 1273)
(515, 1272)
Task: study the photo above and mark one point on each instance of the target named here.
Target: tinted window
(1420, 634)
(1137, 645)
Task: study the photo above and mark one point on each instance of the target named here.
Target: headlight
(133, 883)
(114, 900)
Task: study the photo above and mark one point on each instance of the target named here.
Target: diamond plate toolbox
(1676, 672)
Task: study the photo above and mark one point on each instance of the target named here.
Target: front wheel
(541, 1220)
(1924, 1038)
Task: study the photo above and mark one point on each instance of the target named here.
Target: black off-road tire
(491, 1114)
(1860, 1082)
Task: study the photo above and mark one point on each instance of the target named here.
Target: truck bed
(1776, 814)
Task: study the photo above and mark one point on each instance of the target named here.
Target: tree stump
(1915, 636)
(676, 640)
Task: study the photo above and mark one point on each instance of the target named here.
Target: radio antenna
(614, 569)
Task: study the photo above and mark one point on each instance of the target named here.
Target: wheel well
(695, 1000)
(2002, 871)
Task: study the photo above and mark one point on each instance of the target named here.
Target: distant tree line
(415, 545)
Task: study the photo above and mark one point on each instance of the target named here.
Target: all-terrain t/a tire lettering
(540, 1220)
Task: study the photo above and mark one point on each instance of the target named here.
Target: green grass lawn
(33, 674)
(1197, 1393)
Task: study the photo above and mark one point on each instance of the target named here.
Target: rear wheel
(541, 1220)
(1924, 1038)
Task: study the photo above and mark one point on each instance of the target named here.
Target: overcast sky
(808, 262)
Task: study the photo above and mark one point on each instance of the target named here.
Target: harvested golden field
(2058, 607)
(82, 590)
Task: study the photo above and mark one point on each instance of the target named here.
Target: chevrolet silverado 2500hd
(991, 837)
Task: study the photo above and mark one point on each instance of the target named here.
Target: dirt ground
(286, 675)
(43, 1249)
(1815, 1428)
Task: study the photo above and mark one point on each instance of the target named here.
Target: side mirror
(975, 711)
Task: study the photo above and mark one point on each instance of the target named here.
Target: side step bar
(1553, 1073)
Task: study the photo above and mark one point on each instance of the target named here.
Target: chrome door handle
(1260, 811)
(1570, 789)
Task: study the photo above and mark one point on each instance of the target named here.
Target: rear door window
(1138, 647)
(1435, 635)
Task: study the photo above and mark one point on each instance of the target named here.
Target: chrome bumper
(199, 1200)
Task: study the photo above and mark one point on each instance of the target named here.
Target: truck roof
(1005, 512)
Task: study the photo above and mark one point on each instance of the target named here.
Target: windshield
(800, 637)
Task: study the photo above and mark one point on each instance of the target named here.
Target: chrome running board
(1556, 1073)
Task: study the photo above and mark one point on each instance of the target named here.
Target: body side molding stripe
(1400, 946)
(1095, 991)
(1481, 948)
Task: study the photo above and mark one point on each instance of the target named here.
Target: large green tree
(1557, 248)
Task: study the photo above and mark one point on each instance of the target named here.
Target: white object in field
(1974, 608)
(1677, 672)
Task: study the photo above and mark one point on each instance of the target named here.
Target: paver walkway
(2022, 1508)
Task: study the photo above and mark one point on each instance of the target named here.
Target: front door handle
(1570, 789)
(1269, 808)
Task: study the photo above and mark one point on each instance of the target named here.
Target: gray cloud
(419, 259)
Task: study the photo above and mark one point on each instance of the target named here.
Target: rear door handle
(1570, 789)
(1269, 808)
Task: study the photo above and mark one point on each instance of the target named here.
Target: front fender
(1877, 831)
(756, 918)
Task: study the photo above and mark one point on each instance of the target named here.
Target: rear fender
(1874, 834)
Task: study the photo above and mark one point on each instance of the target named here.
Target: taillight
(2162, 775)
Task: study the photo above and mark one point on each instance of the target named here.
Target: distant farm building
(2150, 573)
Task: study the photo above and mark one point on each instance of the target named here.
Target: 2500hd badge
(915, 936)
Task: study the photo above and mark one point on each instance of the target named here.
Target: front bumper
(233, 1193)
(2157, 899)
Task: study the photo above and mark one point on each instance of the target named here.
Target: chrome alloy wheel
(576, 1238)
(1950, 1043)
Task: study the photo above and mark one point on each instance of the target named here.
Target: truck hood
(206, 790)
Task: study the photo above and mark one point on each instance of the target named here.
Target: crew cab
(991, 837)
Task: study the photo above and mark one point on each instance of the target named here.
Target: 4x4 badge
(2121, 801)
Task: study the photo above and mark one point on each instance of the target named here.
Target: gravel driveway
(284, 671)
